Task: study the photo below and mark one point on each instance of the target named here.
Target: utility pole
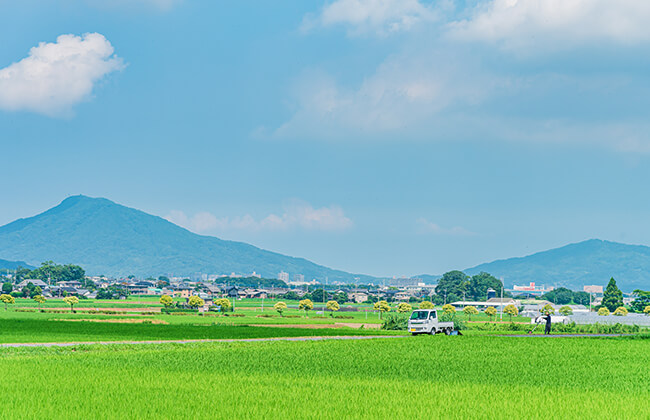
(501, 303)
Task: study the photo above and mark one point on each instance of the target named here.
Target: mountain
(575, 265)
(12, 265)
(114, 240)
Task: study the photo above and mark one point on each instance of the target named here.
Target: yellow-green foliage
(647, 310)
(425, 304)
(71, 300)
(404, 308)
(511, 310)
(621, 311)
(548, 309)
(490, 311)
(305, 305)
(566, 310)
(280, 307)
(195, 301)
(333, 306)
(7, 300)
(166, 300)
(470, 310)
(448, 309)
(382, 306)
(224, 303)
(603, 311)
(40, 299)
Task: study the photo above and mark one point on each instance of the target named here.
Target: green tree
(7, 300)
(425, 304)
(305, 305)
(382, 306)
(469, 311)
(548, 309)
(603, 311)
(613, 297)
(452, 285)
(318, 295)
(332, 306)
(280, 307)
(478, 285)
(403, 308)
(71, 300)
(566, 310)
(7, 287)
(224, 304)
(490, 311)
(40, 299)
(642, 299)
(448, 309)
(341, 297)
(166, 300)
(291, 295)
(195, 302)
(511, 310)
(621, 311)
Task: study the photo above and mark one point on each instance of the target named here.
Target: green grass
(412, 377)
(46, 331)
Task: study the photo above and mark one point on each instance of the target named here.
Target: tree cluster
(564, 296)
(454, 285)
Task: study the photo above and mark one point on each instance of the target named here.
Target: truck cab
(425, 321)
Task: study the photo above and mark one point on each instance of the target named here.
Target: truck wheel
(447, 331)
(433, 331)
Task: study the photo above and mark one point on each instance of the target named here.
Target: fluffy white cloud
(56, 76)
(521, 23)
(297, 215)
(372, 16)
(427, 227)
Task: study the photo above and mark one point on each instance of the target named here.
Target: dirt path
(320, 326)
(563, 335)
(224, 340)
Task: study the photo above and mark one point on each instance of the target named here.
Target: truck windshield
(420, 315)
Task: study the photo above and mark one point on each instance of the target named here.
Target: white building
(283, 276)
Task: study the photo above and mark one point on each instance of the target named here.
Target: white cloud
(404, 92)
(56, 76)
(561, 23)
(297, 215)
(372, 16)
(427, 227)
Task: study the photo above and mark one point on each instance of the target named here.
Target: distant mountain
(110, 239)
(12, 265)
(575, 265)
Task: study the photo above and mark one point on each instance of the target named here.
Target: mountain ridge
(589, 262)
(111, 239)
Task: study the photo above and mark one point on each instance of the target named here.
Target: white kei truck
(425, 321)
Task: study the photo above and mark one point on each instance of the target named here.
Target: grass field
(44, 331)
(412, 377)
(251, 309)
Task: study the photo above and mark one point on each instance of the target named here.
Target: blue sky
(389, 137)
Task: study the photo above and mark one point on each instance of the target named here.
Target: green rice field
(412, 377)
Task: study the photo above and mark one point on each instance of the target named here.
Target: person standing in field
(547, 329)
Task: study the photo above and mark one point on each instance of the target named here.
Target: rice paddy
(411, 377)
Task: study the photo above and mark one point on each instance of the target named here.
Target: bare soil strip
(563, 335)
(225, 340)
(320, 326)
